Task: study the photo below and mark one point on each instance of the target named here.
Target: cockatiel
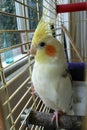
(50, 76)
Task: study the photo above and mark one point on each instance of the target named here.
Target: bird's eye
(41, 44)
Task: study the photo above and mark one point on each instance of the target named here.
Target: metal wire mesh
(15, 78)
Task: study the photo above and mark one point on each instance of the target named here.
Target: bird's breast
(45, 80)
(52, 89)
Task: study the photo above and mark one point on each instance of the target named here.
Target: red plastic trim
(74, 7)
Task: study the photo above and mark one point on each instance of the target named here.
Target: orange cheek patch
(50, 50)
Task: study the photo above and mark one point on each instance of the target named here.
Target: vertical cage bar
(2, 124)
(6, 90)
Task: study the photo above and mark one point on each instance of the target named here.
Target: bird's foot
(33, 91)
(56, 117)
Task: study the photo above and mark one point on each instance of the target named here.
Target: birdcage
(18, 21)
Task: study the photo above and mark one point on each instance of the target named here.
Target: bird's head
(44, 46)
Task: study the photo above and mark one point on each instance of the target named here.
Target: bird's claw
(56, 117)
(32, 91)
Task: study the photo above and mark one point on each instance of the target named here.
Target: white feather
(53, 89)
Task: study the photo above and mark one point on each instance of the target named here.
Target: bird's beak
(32, 49)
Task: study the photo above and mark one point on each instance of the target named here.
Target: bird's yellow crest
(42, 31)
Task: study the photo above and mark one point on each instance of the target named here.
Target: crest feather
(42, 31)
